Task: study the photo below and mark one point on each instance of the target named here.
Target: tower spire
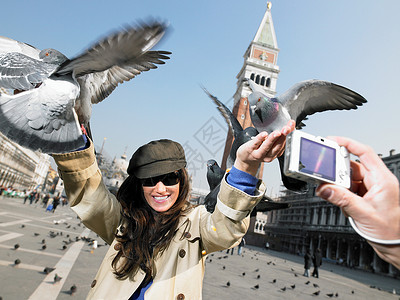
(260, 65)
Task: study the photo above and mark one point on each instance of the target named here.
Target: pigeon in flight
(49, 96)
(241, 135)
(215, 173)
(301, 100)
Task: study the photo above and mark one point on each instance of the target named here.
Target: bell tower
(260, 65)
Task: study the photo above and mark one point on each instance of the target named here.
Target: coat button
(117, 246)
(188, 235)
(180, 297)
(182, 253)
(93, 283)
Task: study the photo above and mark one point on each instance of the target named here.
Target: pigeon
(214, 174)
(17, 261)
(44, 247)
(228, 283)
(57, 278)
(16, 246)
(330, 295)
(240, 135)
(315, 285)
(316, 293)
(48, 270)
(256, 286)
(73, 289)
(273, 281)
(258, 276)
(308, 282)
(36, 234)
(301, 100)
(53, 95)
(293, 286)
(43, 241)
(283, 289)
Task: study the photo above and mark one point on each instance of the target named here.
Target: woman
(158, 240)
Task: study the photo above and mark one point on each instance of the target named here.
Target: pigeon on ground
(16, 246)
(57, 278)
(228, 284)
(301, 100)
(51, 94)
(316, 293)
(17, 261)
(73, 290)
(48, 270)
(256, 287)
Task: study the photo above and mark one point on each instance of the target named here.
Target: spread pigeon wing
(102, 84)
(311, 96)
(233, 123)
(120, 48)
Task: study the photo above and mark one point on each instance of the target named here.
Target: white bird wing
(118, 49)
(311, 96)
(21, 72)
(43, 118)
(8, 45)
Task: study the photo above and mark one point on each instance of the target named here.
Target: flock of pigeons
(66, 240)
(255, 274)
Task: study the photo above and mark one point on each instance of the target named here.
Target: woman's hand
(374, 199)
(262, 148)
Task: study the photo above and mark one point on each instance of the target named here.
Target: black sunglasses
(167, 179)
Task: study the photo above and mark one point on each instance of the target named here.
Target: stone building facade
(21, 168)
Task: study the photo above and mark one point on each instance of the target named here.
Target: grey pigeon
(57, 278)
(49, 95)
(303, 99)
(216, 174)
(73, 290)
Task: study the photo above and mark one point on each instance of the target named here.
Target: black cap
(157, 158)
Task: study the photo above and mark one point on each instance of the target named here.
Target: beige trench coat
(180, 269)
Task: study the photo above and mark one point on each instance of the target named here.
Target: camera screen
(318, 160)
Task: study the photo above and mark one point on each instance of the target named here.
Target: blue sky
(352, 43)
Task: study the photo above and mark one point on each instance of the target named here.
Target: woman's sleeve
(230, 220)
(98, 209)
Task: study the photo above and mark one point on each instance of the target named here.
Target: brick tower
(260, 65)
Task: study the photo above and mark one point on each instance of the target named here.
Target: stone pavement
(27, 225)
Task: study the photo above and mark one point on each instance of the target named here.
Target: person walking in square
(317, 262)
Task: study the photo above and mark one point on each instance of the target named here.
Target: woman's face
(161, 197)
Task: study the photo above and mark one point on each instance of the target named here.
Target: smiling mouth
(160, 199)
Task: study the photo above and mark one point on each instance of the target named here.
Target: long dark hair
(145, 233)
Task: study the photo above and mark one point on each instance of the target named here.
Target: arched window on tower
(258, 79)
(268, 83)
(262, 81)
(252, 76)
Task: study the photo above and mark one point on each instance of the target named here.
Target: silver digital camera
(316, 159)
